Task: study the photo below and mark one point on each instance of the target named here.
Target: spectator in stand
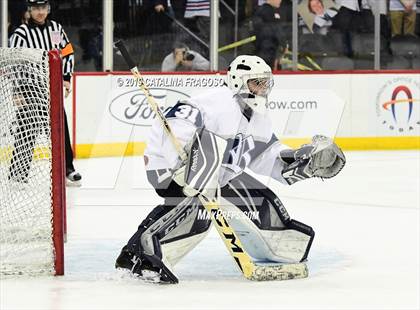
(368, 12)
(402, 14)
(418, 18)
(158, 22)
(18, 14)
(346, 21)
(267, 28)
(194, 14)
(323, 17)
(366, 19)
(197, 18)
(90, 41)
(184, 59)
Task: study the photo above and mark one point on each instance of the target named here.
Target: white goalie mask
(251, 79)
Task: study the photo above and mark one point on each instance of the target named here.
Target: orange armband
(67, 50)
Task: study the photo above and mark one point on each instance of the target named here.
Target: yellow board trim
(347, 144)
(379, 143)
(40, 153)
(367, 143)
(110, 149)
(137, 148)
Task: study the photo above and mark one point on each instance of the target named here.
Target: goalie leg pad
(273, 235)
(180, 225)
(168, 233)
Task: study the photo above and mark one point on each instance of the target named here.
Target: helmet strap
(245, 108)
(249, 100)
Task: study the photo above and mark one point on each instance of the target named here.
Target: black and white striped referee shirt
(46, 37)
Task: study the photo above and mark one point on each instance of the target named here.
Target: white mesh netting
(26, 240)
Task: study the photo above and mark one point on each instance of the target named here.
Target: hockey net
(32, 193)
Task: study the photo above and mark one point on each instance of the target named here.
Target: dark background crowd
(339, 37)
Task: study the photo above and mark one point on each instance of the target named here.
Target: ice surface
(365, 254)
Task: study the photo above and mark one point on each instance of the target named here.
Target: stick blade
(278, 272)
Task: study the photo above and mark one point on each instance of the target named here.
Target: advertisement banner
(125, 114)
(397, 108)
(361, 110)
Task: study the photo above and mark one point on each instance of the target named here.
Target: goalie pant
(266, 230)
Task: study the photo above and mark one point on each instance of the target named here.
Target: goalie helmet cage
(32, 169)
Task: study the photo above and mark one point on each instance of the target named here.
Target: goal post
(58, 167)
(32, 163)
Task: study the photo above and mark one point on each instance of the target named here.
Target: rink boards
(368, 110)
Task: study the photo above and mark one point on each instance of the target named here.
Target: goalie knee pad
(272, 235)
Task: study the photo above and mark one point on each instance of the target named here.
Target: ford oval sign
(132, 107)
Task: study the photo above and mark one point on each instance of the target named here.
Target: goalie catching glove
(321, 158)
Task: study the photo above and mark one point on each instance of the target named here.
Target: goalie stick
(250, 269)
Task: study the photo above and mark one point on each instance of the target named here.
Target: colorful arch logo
(394, 101)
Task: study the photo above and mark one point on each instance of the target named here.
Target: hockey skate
(74, 179)
(147, 267)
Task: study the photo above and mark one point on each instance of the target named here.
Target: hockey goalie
(225, 132)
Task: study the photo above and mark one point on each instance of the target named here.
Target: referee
(44, 34)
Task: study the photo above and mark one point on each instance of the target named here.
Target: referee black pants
(31, 122)
(68, 149)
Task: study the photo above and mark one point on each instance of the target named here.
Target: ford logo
(132, 107)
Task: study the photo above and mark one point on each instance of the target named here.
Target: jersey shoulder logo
(184, 110)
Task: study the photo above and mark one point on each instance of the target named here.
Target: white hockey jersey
(251, 142)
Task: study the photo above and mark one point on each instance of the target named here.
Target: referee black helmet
(36, 2)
